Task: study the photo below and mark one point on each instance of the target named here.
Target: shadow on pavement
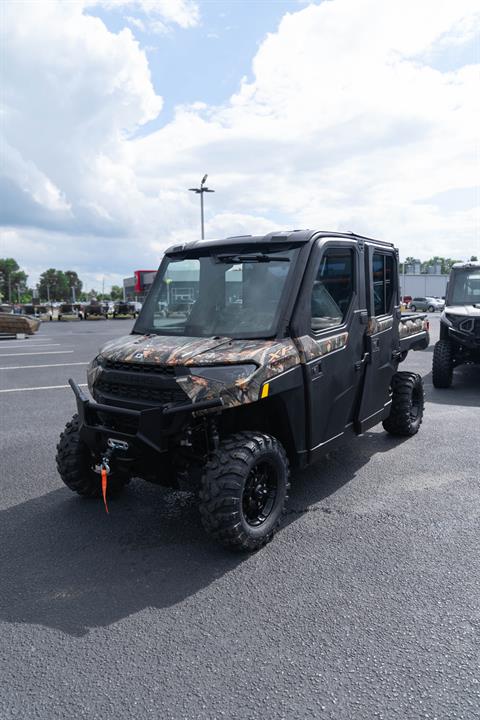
(67, 565)
(465, 388)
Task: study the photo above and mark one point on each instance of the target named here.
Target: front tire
(74, 464)
(442, 366)
(408, 400)
(244, 490)
(413, 308)
(431, 308)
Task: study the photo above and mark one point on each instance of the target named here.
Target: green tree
(436, 260)
(54, 285)
(13, 281)
(74, 282)
(116, 293)
(474, 258)
(445, 264)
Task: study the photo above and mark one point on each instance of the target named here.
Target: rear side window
(383, 283)
(333, 289)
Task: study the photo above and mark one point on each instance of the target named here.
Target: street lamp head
(204, 180)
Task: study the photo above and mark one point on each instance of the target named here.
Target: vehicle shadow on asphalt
(67, 565)
(465, 388)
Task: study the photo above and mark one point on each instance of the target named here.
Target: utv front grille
(124, 384)
(140, 368)
(154, 396)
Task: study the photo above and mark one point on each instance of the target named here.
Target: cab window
(333, 289)
(383, 283)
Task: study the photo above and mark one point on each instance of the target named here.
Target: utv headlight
(225, 374)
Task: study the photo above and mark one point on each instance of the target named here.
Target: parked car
(427, 303)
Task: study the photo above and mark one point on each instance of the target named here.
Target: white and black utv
(459, 324)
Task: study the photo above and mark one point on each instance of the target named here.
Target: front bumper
(143, 430)
(470, 340)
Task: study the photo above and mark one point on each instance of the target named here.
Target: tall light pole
(199, 191)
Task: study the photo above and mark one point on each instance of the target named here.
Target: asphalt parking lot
(366, 604)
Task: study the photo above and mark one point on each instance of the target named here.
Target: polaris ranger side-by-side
(459, 324)
(288, 343)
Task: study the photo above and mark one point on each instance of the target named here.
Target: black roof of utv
(285, 236)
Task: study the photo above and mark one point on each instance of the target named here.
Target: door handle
(360, 363)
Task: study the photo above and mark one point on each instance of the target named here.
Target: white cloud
(345, 125)
(72, 93)
(160, 13)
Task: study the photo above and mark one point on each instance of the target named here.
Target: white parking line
(41, 387)
(43, 352)
(30, 367)
(30, 347)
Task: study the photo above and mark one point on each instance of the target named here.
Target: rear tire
(74, 464)
(431, 308)
(442, 366)
(408, 400)
(244, 490)
(413, 308)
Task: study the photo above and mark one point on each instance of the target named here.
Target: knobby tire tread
(442, 365)
(400, 422)
(72, 465)
(222, 486)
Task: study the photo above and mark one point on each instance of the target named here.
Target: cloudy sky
(356, 115)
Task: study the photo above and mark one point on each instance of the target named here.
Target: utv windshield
(223, 293)
(464, 287)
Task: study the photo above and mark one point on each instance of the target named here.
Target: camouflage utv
(95, 309)
(288, 344)
(124, 309)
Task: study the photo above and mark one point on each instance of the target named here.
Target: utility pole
(199, 191)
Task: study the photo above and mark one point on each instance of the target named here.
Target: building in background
(137, 287)
(423, 285)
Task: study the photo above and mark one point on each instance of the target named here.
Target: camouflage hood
(160, 349)
(252, 362)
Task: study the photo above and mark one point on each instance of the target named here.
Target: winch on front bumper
(137, 430)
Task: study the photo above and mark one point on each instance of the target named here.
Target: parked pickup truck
(292, 343)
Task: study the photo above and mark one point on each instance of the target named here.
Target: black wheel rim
(259, 494)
